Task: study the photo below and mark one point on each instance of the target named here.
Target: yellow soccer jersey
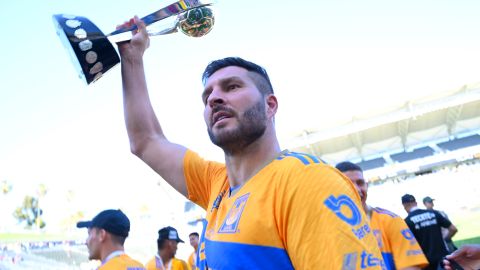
(192, 260)
(121, 262)
(398, 245)
(296, 213)
(176, 264)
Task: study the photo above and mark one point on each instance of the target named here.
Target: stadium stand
(415, 154)
(459, 143)
(372, 163)
(416, 138)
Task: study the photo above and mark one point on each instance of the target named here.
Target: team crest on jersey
(230, 225)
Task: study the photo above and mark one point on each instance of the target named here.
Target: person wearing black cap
(167, 242)
(426, 227)
(428, 202)
(107, 233)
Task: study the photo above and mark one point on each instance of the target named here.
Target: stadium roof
(417, 126)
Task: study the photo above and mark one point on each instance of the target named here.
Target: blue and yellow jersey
(176, 264)
(397, 243)
(295, 213)
(121, 262)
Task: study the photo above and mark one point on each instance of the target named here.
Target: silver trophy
(92, 52)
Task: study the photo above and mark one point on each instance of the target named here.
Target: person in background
(426, 227)
(428, 202)
(192, 259)
(167, 244)
(399, 248)
(107, 233)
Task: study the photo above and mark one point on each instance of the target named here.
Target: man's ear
(272, 105)
(102, 235)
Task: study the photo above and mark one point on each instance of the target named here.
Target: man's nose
(215, 98)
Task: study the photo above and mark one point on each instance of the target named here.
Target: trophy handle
(168, 11)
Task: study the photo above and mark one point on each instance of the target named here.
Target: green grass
(474, 240)
(467, 223)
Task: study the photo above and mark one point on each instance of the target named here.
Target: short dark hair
(118, 239)
(194, 233)
(348, 166)
(259, 74)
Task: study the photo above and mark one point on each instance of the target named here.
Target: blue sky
(328, 60)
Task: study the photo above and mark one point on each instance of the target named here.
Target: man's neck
(413, 208)
(165, 258)
(368, 210)
(110, 251)
(243, 166)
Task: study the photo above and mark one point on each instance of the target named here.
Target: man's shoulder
(298, 159)
(418, 211)
(179, 264)
(295, 164)
(301, 170)
(385, 213)
(122, 262)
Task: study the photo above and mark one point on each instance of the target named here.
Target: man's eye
(233, 86)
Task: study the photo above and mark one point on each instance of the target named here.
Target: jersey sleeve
(405, 248)
(199, 175)
(324, 225)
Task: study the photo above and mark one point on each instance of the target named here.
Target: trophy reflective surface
(92, 52)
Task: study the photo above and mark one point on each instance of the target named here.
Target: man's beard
(251, 126)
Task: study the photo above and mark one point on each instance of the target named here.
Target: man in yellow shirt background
(107, 233)
(167, 243)
(192, 259)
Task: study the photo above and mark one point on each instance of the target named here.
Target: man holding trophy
(266, 208)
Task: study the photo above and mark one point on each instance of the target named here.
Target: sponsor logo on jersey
(350, 261)
(347, 210)
(361, 231)
(369, 260)
(424, 220)
(230, 224)
(409, 236)
(341, 203)
(414, 252)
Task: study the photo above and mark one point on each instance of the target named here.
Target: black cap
(408, 198)
(112, 221)
(169, 233)
(428, 199)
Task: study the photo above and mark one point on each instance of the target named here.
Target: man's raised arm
(147, 140)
